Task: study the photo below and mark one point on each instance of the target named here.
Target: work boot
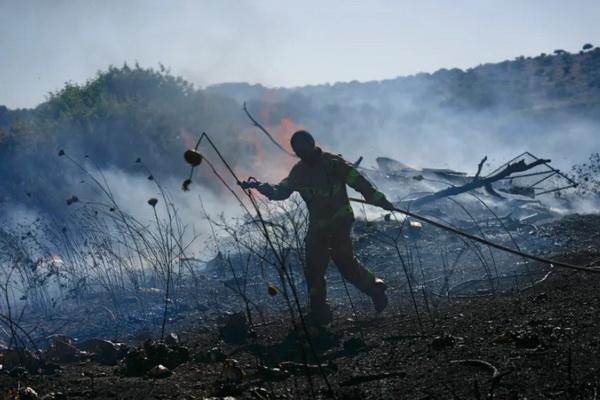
(380, 300)
(320, 315)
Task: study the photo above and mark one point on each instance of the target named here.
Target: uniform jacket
(322, 185)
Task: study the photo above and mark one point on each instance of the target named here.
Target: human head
(303, 144)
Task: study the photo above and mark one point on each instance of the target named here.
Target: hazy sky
(275, 42)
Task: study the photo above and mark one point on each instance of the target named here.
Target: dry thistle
(152, 201)
(192, 157)
(272, 290)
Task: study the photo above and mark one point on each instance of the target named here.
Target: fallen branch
(478, 182)
(480, 167)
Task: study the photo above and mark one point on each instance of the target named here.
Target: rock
(159, 372)
(62, 349)
(170, 356)
(138, 362)
(172, 339)
(104, 351)
(28, 393)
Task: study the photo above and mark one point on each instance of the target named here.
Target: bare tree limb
(478, 182)
(480, 166)
(262, 128)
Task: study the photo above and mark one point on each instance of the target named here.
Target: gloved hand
(251, 183)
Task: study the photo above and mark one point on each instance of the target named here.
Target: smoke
(428, 135)
(450, 119)
(406, 119)
(132, 192)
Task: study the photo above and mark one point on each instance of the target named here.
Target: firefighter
(321, 178)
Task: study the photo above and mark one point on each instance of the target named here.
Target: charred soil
(535, 343)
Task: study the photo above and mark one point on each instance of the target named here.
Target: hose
(487, 242)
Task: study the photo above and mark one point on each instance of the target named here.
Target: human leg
(317, 258)
(352, 270)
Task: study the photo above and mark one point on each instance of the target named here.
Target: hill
(550, 103)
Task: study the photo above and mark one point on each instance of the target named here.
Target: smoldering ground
(152, 116)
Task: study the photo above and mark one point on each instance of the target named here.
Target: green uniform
(322, 185)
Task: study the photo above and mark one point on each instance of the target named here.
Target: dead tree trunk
(478, 182)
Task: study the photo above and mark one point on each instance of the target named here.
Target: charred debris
(107, 304)
(523, 188)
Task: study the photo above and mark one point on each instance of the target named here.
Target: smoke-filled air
(257, 200)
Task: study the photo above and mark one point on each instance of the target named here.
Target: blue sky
(276, 43)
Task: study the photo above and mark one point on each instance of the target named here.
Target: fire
(284, 132)
(268, 162)
(257, 156)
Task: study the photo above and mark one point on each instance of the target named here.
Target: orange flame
(269, 163)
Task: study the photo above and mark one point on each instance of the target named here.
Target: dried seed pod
(152, 201)
(272, 290)
(61, 153)
(192, 157)
(186, 185)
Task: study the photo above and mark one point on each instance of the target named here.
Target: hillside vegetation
(128, 112)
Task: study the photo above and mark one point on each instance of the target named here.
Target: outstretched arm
(281, 191)
(359, 183)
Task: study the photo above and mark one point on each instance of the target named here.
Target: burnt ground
(534, 343)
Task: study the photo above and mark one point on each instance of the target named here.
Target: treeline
(126, 113)
(112, 120)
